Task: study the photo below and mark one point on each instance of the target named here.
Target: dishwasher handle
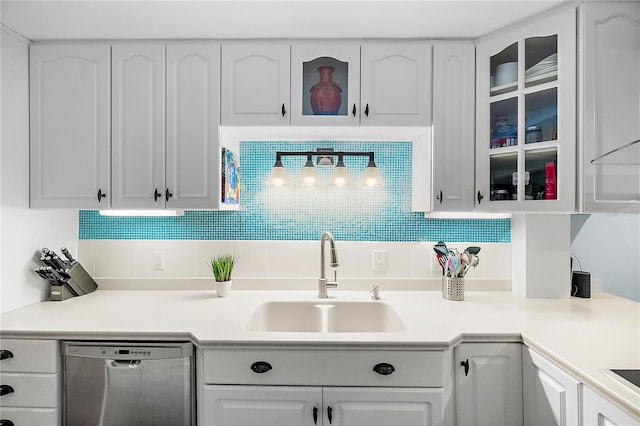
(125, 363)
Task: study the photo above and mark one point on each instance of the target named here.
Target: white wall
(608, 246)
(22, 231)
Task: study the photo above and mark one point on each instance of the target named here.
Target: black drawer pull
(5, 354)
(465, 364)
(315, 415)
(6, 422)
(6, 389)
(284, 110)
(384, 368)
(260, 367)
(330, 414)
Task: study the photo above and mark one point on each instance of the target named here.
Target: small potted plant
(222, 267)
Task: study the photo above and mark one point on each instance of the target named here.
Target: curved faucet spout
(323, 284)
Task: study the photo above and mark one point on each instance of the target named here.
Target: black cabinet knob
(330, 414)
(353, 111)
(480, 197)
(439, 197)
(465, 364)
(260, 367)
(284, 110)
(6, 422)
(101, 194)
(168, 194)
(6, 389)
(5, 354)
(366, 110)
(156, 195)
(315, 415)
(384, 368)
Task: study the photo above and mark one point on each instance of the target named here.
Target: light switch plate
(157, 261)
(379, 260)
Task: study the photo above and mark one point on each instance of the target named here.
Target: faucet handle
(334, 283)
(376, 292)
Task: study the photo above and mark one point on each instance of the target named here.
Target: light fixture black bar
(280, 154)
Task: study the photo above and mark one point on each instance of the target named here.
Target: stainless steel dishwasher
(116, 383)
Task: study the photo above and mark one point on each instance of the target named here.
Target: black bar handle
(315, 415)
(366, 110)
(480, 197)
(156, 195)
(101, 194)
(168, 194)
(439, 197)
(6, 422)
(5, 354)
(353, 111)
(260, 367)
(6, 389)
(465, 364)
(284, 110)
(384, 368)
(330, 414)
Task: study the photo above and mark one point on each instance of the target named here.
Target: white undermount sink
(325, 317)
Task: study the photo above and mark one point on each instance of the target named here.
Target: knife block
(80, 281)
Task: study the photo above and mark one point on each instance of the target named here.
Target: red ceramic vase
(326, 95)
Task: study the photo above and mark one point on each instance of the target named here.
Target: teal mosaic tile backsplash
(300, 213)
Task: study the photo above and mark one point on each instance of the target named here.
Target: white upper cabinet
(256, 84)
(325, 84)
(138, 126)
(526, 117)
(453, 126)
(395, 84)
(70, 134)
(610, 48)
(193, 165)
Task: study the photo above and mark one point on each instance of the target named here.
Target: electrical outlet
(379, 260)
(435, 266)
(157, 261)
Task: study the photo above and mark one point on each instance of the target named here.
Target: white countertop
(582, 336)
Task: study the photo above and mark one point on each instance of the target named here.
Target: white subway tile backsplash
(284, 259)
(280, 259)
(111, 258)
(180, 258)
(251, 259)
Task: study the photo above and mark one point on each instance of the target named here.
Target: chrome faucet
(323, 283)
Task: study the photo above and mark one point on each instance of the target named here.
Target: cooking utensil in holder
(453, 288)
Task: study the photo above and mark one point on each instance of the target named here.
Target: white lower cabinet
(30, 382)
(298, 405)
(597, 411)
(322, 387)
(488, 384)
(551, 396)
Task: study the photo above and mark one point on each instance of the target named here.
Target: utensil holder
(453, 288)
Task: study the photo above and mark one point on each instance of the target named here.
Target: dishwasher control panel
(126, 352)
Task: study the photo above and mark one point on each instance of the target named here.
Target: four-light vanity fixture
(325, 157)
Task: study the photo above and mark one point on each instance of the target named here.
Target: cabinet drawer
(31, 390)
(31, 416)
(324, 367)
(31, 356)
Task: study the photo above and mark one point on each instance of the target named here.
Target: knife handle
(66, 254)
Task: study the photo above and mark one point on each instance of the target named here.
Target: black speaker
(581, 284)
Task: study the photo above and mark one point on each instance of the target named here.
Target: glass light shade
(371, 177)
(340, 175)
(278, 176)
(309, 176)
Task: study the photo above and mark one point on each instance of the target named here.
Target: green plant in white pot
(222, 267)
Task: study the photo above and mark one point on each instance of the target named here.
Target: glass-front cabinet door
(526, 117)
(325, 84)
